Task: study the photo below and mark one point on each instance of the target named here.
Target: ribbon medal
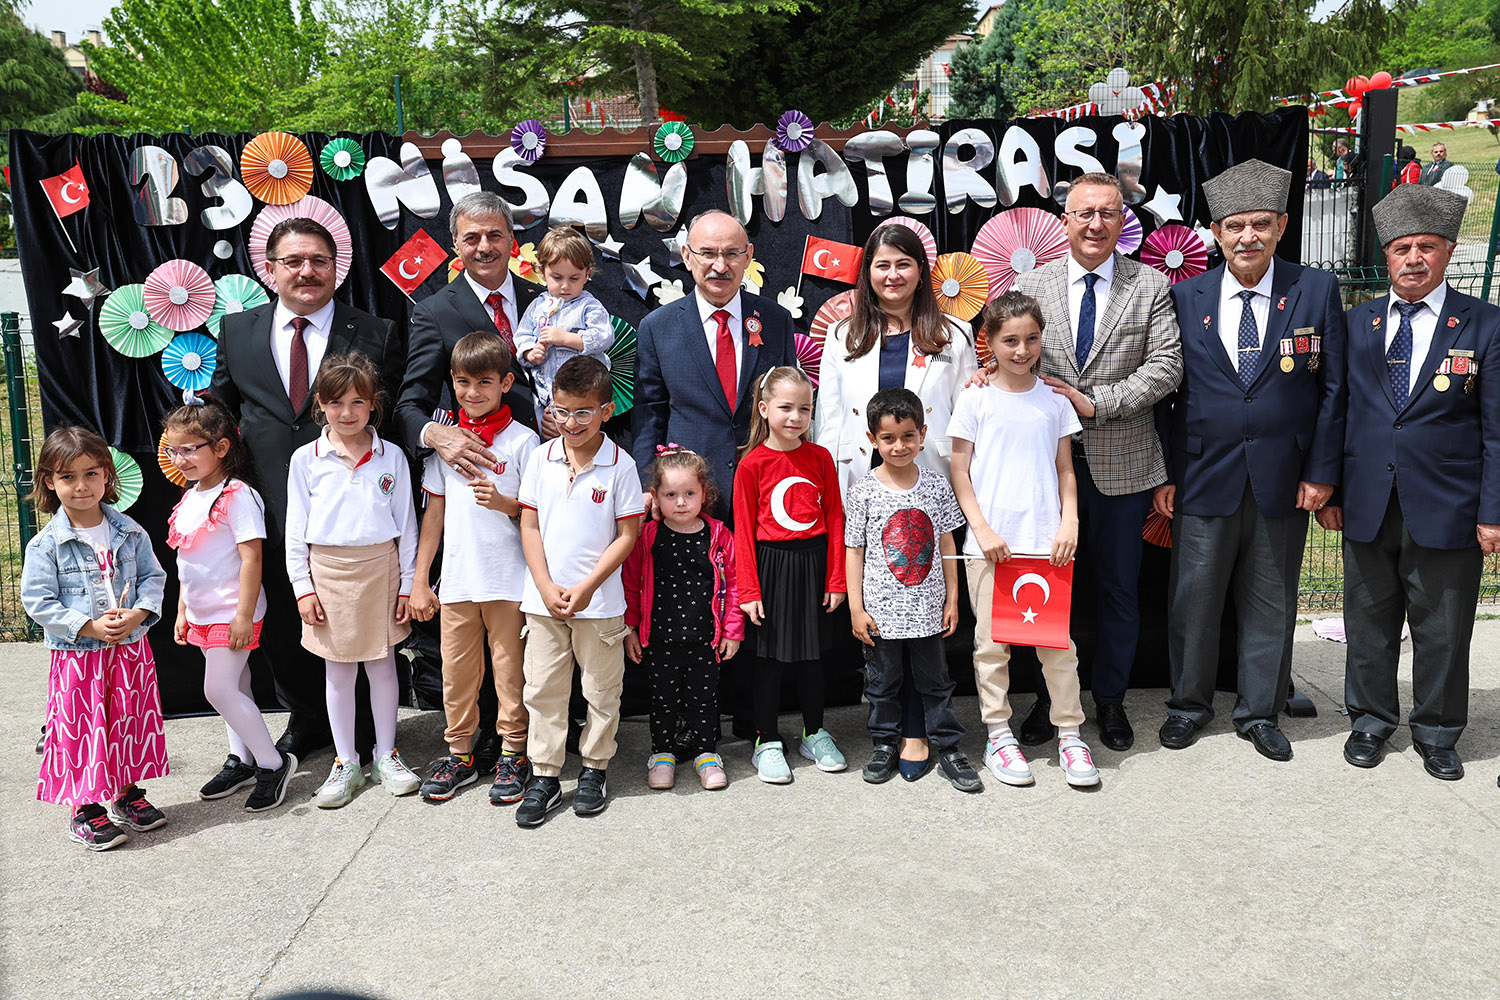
(752, 327)
(1287, 363)
(1440, 381)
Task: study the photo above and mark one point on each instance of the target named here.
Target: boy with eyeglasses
(581, 506)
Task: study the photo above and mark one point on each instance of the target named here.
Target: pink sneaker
(661, 771)
(711, 771)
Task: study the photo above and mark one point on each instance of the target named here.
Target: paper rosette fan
(1158, 530)
(794, 131)
(674, 141)
(129, 480)
(179, 295)
(621, 356)
(809, 357)
(189, 361)
(1175, 251)
(128, 327)
(308, 208)
(1130, 236)
(840, 306)
(234, 293)
(1018, 241)
(342, 159)
(529, 140)
(961, 284)
(277, 168)
(923, 233)
(174, 475)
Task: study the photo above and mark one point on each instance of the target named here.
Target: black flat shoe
(1178, 732)
(1114, 727)
(1441, 762)
(1037, 728)
(1269, 741)
(1364, 749)
(302, 743)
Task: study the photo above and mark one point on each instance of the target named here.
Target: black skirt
(793, 579)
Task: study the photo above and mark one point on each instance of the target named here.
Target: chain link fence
(20, 439)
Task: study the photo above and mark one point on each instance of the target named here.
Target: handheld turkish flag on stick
(828, 259)
(67, 193)
(1033, 603)
(417, 258)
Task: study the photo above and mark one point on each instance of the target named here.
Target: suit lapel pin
(1207, 322)
(1375, 322)
(1452, 322)
(1280, 306)
(752, 326)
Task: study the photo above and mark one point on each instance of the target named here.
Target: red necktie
(296, 377)
(502, 322)
(724, 358)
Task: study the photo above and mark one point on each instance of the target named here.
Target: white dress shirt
(1076, 287)
(507, 288)
(1423, 325)
(736, 312)
(319, 324)
(1231, 307)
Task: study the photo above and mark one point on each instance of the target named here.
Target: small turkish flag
(829, 259)
(67, 192)
(417, 258)
(1033, 603)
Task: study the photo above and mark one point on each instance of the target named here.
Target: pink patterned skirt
(104, 725)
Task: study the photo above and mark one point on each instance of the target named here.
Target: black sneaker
(589, 798)
(131, 809)
(448, 776)
(41, 741)
(959, 772)
(542, 796)
(270, 784)
(235, 774)
(882, 765)
(90, 826)
(511, 776)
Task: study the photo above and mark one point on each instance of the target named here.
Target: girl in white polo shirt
(351, 548)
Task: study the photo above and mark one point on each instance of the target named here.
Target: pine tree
(34, 78)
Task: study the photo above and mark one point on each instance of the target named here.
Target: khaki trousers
(465, 627)
(552, 644)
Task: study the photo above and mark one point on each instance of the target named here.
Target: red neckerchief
(486, 427)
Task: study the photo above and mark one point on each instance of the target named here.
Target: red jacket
(640, 583)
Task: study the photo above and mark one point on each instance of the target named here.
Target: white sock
(226, 685)
(1000, 732)
(1063, 732)
(339, 689)
(385, 693)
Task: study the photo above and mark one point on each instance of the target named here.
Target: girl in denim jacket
(92, 582)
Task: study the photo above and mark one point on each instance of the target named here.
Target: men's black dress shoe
(1269, 741)
(1114, 727)
(1363, 749)
(1178, 732)
(302, 743)
(487, 747)
(1038, 726)
(743, 729)
(1441, 762)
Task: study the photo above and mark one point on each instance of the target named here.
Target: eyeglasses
(709, 256)
(296, 263)
(1087, 215)
(186, 451)
(1236, 226)
(582, 417)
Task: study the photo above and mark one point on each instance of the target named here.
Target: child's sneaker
(132, 810)
(1077, 763)
(449, 775)
(592, 790)
(821, 750)
(392, 772)
(770, 763)
(959, 772)
(882, 764)
(1004, 759)
(90, 826)
(41, 741)
(512, 774)
(234, 775)
(710, 767)
(338, 790)
(661, 771)
(541, 797)
(270, 784)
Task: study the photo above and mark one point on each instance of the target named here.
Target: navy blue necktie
(1087, 309)
(1249, 344)
(1398, 355)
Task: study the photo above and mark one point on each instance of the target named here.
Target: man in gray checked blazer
(1112, 346)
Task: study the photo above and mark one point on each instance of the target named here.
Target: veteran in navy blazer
(1254, 439)
(699, 358)
(1420, 504)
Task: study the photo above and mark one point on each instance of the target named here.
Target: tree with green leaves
(34, 78)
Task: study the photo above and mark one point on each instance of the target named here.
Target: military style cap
(1415, 208)
(1252, 186)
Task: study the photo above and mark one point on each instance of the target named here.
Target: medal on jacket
(1287, 362)
(1440, 381)
(1315, 359)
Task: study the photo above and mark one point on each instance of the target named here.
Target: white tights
(384, 694)
(226, 685)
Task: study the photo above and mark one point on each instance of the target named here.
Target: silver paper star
(85, 285)
(1165, 207)
(610, 247)
(640, 277)
(674, 245)
(68, 325)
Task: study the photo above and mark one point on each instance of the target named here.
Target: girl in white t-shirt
(217, 529)
(1013, 475)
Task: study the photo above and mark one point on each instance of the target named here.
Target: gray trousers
(1261, 558)
(1436, 590)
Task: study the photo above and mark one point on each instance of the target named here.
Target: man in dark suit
(1420, 504)
(268, 359)
(1439, 165)
(1254, 439)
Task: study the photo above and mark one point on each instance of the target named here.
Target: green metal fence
(20, 437)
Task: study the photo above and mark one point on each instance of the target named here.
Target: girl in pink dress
(92, 582)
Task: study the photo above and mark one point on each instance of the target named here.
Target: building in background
(73, 54)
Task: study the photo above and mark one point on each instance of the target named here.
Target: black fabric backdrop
(84, 381)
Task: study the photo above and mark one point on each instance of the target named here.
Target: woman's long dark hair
(929, 328)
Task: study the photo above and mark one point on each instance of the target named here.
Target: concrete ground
(1204, 873)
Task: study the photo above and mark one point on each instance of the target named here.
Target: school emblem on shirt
(598, 496)
(500, 468)
(387, 484)
(909, 541)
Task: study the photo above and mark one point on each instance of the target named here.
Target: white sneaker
(338, 790)
(392, 772)
(770, 763)
(1002, 755)
(1077, 762)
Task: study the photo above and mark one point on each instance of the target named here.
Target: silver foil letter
(918, 198)
(1131, 159)
(961, 180)
(871, 149)
(411, 184)
(567, 210)
(154, 169)
(742, 182)
(643, 193)
(460, 176)
(220, 183)
(535, 203)
(836, 181)
(1020, 164)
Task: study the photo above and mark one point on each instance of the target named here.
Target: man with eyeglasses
(268, 358)
(1111, 347)
(1254, 439)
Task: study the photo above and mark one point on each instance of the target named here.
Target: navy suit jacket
(677, 392)
(1286, 428)
(1442, 449)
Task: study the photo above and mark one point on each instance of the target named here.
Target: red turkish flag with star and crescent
(829, 259)
(1033, 603)
(68, 192)
(417, 258)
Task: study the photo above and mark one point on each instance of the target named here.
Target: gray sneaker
(392, 772)
(1077, 762)
(1005, 760)
(338, 790)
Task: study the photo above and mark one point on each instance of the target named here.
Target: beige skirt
(358, 586)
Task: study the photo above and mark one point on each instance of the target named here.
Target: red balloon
(1380, 81)
(1354, 109)
(1351, 86)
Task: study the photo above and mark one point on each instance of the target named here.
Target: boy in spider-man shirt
(903, 596)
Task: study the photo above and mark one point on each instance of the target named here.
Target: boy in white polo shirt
(581, 506)
(482, 576)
